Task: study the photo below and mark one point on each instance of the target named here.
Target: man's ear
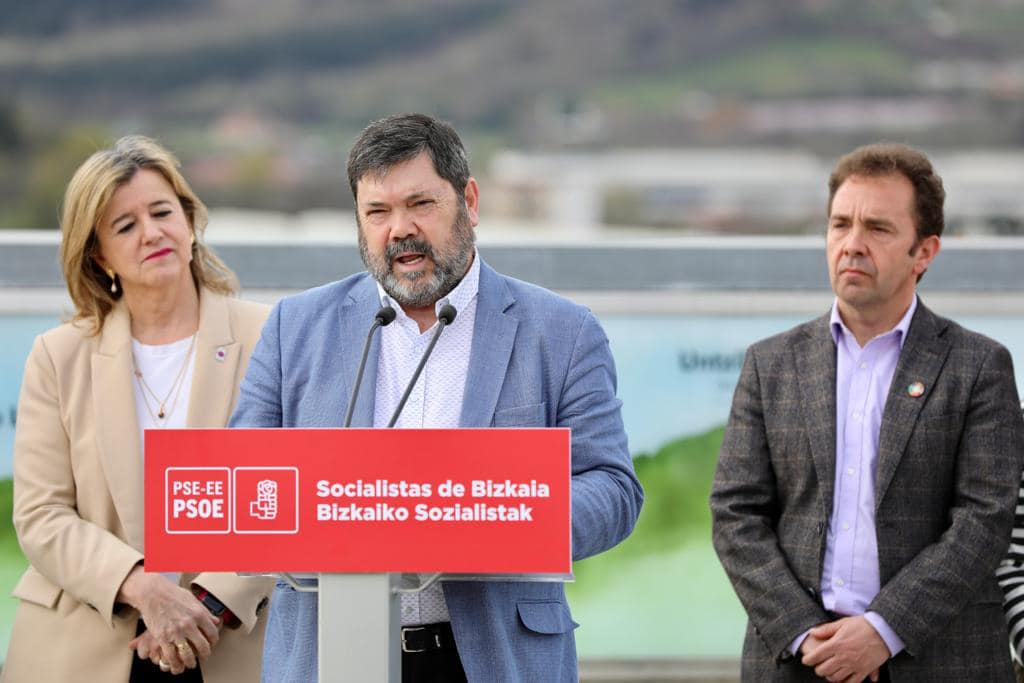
(472, 196)
(927, 249)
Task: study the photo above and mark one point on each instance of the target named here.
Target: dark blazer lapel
(494, 334)
(815, 361)
(355, 317)
(216, 364)
(923, 355)
(117, 426)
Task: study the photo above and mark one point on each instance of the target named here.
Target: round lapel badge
(915, 390)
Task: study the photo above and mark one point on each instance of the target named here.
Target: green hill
(677, 482)
(484, 63)
(662, 592)
(12, 564)
(8, 540)
(262, 99)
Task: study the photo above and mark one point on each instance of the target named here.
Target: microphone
(383, 318)
(445, 317)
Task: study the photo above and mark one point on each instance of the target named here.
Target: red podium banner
(473, 501)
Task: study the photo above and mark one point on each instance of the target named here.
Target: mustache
(856, 264)
(407, 245)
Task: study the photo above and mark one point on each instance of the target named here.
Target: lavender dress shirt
(849, 578)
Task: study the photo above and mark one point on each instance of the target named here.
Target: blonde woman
(156, 342)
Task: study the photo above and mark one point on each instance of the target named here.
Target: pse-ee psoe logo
(224, 500)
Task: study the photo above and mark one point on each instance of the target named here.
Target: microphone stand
(383, 318)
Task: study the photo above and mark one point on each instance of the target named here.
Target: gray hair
(402, 137)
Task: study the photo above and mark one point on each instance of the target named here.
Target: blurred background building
(711, 116)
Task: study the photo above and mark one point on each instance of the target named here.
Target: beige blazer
(78, 493)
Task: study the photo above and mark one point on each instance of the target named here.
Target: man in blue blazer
(516, 355)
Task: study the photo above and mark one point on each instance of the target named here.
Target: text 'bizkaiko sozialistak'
(476, 500)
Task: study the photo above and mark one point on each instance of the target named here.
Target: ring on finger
(182, 647)
(164, 666)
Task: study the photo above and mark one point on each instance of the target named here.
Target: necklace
(174, 391)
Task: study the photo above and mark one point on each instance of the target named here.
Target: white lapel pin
(915, 390)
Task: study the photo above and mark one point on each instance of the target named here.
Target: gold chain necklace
(175, 389)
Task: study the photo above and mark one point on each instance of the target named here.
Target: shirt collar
(460, 297)
(839, 328)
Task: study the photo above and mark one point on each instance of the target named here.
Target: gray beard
(417, 290)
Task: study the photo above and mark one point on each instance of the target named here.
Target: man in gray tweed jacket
(866, 485)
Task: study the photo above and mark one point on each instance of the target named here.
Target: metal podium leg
(359, 629)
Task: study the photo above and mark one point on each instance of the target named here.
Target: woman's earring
(113, 280)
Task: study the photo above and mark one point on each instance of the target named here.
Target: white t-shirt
(160, 366)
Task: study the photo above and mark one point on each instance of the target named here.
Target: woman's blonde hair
(85, 202)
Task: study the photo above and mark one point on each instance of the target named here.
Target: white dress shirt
(435, 401)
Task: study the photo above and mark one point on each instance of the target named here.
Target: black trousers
(434, 666)
(145, 671)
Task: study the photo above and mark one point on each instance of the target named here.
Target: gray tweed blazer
(949, 464)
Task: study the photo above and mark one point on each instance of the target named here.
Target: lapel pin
(915, 390)
(221, 354)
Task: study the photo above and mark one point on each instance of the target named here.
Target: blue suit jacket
(537, 360)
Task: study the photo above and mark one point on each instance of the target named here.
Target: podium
(371, 513)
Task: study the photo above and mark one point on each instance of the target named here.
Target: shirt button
(845, 526)
(856, 415)
(863, 366)
(840, 582)
(850, 471)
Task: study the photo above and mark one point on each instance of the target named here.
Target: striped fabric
(1010, 574)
